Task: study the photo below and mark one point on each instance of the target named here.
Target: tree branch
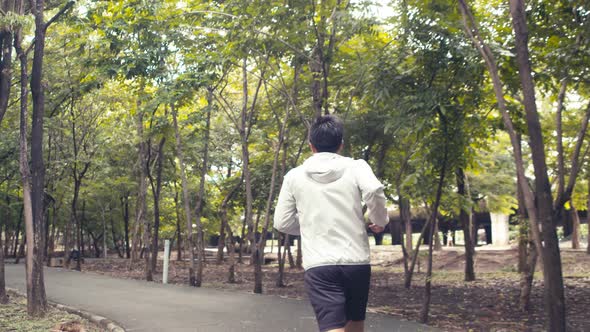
(62, 11)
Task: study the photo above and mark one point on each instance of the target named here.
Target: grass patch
(13, 317)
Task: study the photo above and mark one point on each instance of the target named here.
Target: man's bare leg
(338, 330)
(355, 326)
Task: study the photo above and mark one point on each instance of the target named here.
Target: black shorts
(338, 294)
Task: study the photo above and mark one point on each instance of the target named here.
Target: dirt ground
(488, 304)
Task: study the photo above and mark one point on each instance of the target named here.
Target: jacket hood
(325, 167)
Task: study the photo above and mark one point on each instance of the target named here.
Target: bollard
(166, 261)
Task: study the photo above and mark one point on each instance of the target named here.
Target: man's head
(326, 134)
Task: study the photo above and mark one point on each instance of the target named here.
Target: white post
(500, 229)
(166, 261)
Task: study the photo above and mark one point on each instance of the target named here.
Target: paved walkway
(143, 306)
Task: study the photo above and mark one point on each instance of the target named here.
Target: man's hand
(376, 228)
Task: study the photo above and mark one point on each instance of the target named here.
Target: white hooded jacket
(321, 200)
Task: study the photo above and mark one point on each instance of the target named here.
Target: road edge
(98, 320)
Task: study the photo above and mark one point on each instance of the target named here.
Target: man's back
(327, 193)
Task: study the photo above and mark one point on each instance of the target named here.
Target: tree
(545, 211)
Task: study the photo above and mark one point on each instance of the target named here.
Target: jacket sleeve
(372, 194)
(285, 217)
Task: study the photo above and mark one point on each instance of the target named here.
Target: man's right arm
(285, 218)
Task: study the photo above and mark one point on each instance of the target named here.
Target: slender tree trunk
(220, 244)
(230, 237)
(259, 250)
(17, 232)
(523, 232)
(232, 252)
(427, 289)
(242, 240)
(156, 190)
(437, 241)
(189, 242)
(292, 264)
(51, 240)
(6, 37)
(125, 206)
(299, 261)
(114, 235)
(140, 204)
(576, 227)
(73, 221)
(3, 247)
(406, 219)
(281, 260)
(3, 296)
(81, 237)
(464, 220)
(245, 128)
(588, 221)
(178, 232)
(410, 271)
(201, 194)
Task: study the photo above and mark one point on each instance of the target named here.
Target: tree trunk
(220, 244)
(81, 237)
(51, 239)
(3, 296)
(201, 194)
(575, 227)
(539, 204)
(523, 238)
(552, 272)
(230, 237)
(588, 221)
(6, 38)
(140, 204)
(178, 232)
(406, 219)
(437, 241)
(125, 206)
(464, 220)
(427, 288)
(114, 235)
(33, 178)
(156, 190)
(281, 261)
(259, 250)
(527, 276)
(410, 271)
(73, 221)
(17, 232)
(189, 243)
(245, 127)
(292, 264)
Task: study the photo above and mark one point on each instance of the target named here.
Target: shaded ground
(13, 317)
(488, 304)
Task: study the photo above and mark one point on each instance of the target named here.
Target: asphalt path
(147, 306)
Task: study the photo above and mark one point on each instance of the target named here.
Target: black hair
(326, 133)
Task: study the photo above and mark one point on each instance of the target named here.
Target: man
(321, 200)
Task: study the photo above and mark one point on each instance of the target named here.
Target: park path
(143, 306)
